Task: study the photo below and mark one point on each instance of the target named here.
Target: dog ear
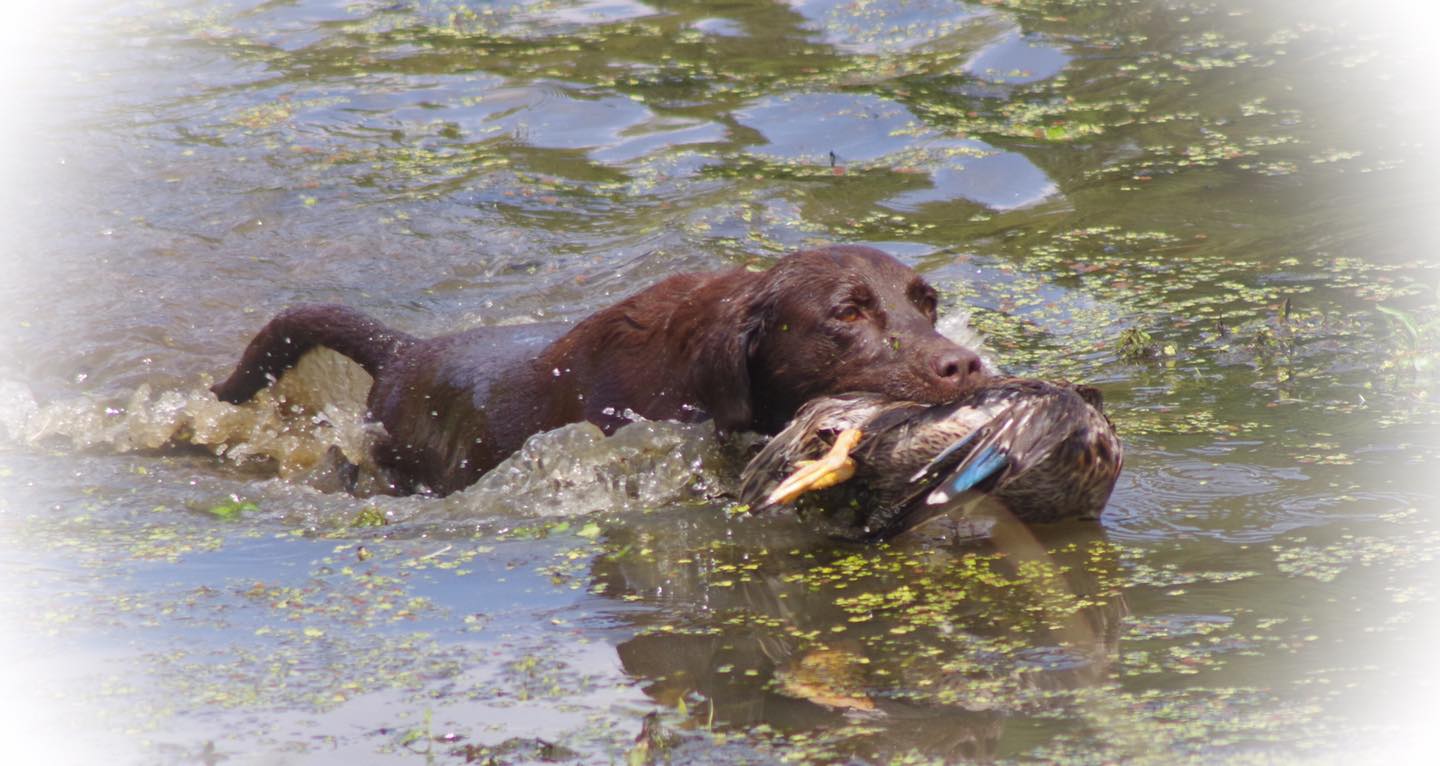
(720, 369)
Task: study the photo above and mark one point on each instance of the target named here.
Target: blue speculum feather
(943, 456)
(1043, 451)
(989, 460)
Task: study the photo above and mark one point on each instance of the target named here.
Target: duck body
(1045, 451)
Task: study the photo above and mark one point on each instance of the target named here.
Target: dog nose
(958, 365)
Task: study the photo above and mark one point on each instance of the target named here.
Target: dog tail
(296, 330)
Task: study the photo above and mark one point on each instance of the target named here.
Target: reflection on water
(853, 134)
(1017, 59)
(1217, 213)
(888, 26)
(945, 643)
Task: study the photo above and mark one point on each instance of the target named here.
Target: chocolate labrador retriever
(744, 348)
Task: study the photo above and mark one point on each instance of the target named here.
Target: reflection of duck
(1046, 451)
(930, 648)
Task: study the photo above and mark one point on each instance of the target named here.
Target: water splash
(311, 428)
(311, 419)
(576, 469)
(955, 325)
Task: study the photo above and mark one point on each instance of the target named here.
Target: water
(1244, 187)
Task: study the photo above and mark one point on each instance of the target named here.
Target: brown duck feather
(1044, 450)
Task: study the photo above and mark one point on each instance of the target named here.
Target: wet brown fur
(742, 347)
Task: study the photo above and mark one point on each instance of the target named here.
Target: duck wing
(1008, 428)
(1046, 450)
(1022, 435)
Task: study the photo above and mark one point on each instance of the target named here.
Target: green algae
(1215, 255)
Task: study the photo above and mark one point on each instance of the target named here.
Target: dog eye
(849, 313)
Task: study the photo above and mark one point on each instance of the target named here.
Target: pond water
(1218, 212)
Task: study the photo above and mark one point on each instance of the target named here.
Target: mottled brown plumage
(1045, 451)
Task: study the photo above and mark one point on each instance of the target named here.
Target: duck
(865, 467)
